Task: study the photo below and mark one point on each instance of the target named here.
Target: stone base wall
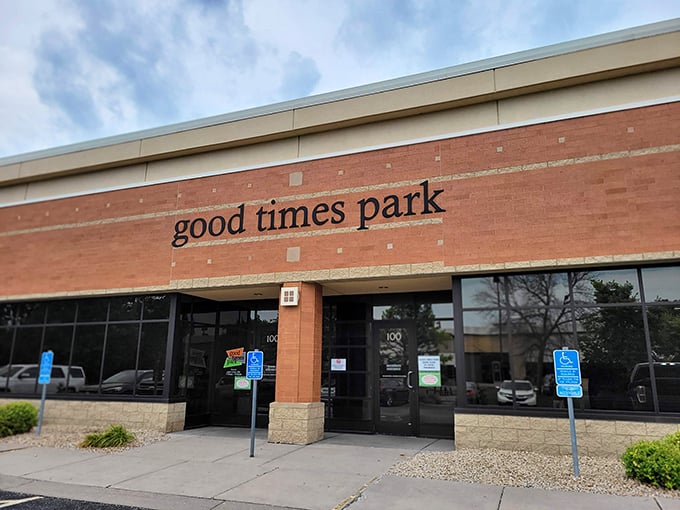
(552, 435)
(296, 423)
(158, 416)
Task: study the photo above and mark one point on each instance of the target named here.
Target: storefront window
(591, 286)
(156, 307)
(27, 352)
(31, 313)
(528, 316)
(481, 292)
(347, 365)
(81, 337)
(58, 340)
(661, 283)
(533, 290)
(611, 343)
(63, 312)
(5, 350)
(120, 355)
(487, 359)
(125, 308)
(93, 310)
(664, 326)
(152, 358)
(87, 352)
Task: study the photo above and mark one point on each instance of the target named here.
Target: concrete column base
(296, 422)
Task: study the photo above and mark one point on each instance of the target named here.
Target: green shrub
(115, 435)
(655, 463)
(19, 417)
(5, 428)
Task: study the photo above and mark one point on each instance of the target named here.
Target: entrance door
(247, 330)
(397, 385)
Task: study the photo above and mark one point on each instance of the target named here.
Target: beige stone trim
(296, 423)
(159, 416)
(552, 435)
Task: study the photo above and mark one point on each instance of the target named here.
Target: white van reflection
(23, 378)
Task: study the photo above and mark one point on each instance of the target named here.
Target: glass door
(243, 330)
(397, 383)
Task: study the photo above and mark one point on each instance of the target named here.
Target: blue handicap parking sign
(254, 364)
(569, 390)
(567, 367)
(45, 367)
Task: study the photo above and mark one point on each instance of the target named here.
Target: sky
(80, 70)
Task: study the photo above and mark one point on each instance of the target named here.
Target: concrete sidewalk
(211, 468)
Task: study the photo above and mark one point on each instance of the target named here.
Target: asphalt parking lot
(18, 501)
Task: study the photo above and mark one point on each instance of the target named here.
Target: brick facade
(607, 183)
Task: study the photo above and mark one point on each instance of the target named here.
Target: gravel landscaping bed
(71, 437)
(604, 475)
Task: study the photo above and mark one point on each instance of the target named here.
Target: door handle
(408, 380)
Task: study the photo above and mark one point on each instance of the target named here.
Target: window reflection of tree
(21, 313)
(613, 335)
(535, 315)
(614, 341)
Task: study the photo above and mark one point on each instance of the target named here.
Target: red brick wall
(621, 199)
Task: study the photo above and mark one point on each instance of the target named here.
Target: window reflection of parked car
(525, 394)
(472, 392)
(124, 382)
(23, 378)
(667, 375)
(393, 391)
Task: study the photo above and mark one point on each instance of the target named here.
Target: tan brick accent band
(296, 423)
(552, 435)
(158, 416)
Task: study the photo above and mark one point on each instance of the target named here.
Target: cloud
(73, 70)
(300, 76)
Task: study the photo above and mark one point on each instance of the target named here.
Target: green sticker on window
(241, 383)
(233, 362)
(430, 379)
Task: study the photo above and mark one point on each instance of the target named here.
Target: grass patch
(115, 435)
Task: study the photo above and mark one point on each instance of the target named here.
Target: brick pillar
(297, 414)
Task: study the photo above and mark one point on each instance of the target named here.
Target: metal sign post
(44, 379)
(254, 371)
(568, 379)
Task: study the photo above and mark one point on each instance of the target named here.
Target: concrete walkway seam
(353, 497)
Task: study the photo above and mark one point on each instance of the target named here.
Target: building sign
(235, 358)
(235, 353)
(272, 218)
